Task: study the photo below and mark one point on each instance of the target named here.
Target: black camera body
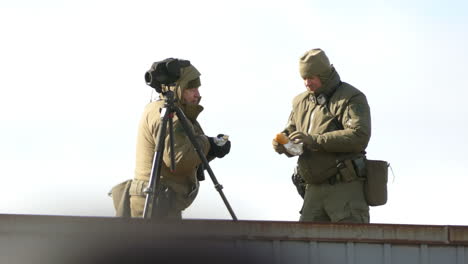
(165, 72)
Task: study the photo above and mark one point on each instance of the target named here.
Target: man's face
(312, 83)
(191, 96)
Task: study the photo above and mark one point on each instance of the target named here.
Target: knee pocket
(137, 204)
(137, 188)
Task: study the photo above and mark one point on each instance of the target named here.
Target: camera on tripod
(165, 72)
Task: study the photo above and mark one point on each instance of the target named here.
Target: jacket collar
(191, 111)
(328, 88)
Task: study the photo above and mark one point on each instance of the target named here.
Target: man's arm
(290, 127)
(186, 157)
(355, 135)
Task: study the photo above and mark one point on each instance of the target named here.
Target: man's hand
(279, 148)
(299, 137)
(218, 151)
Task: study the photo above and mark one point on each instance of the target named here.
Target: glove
(279, 148)
(308, 140)
(218, 151)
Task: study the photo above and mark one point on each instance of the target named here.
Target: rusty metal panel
(458, 234)
(291, 252)
(61, 239)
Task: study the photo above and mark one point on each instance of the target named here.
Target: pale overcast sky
(72, 92)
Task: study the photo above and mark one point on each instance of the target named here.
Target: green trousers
(339, 202)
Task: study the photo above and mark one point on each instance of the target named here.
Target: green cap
(189, 78)
(314, 63)
(195, 83)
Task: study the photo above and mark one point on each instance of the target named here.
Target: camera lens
(148, 78)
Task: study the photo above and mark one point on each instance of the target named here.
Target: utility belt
(374, 173)
(346, 170)
(349, 170)
(319, 167)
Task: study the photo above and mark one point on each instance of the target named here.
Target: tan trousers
(185, 195)
(137, 205)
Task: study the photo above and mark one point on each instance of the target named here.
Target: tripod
(154, 189)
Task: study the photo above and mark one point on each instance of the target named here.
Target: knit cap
(314, 63)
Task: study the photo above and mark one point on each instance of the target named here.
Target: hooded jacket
(186, 157)
(337, 117)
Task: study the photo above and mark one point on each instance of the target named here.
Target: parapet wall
(71, 239)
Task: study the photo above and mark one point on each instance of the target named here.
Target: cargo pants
(335, 202)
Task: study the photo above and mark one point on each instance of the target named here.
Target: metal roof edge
(235, 230)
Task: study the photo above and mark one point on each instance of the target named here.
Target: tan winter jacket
(186, 158)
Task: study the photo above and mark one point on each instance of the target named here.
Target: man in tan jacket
(332, 120)
(179, 187)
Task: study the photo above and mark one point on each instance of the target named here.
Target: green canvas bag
(375, 186)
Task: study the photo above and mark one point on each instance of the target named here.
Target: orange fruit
(281, 138)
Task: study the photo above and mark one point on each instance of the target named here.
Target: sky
(72, 92)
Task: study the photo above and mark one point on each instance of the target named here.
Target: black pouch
(360, 166)
(299, 182)
(346, 170)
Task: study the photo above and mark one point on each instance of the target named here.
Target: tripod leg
(154, 181)
(218, 187)
(171, 142)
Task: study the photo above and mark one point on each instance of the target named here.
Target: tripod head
(169, 97)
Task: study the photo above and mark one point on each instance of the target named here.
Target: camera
(165, 72)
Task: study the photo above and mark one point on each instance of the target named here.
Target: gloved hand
(299, 137)
(279, 148)
(219, 151)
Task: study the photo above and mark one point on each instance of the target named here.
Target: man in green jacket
(332, 121)
(180, 187)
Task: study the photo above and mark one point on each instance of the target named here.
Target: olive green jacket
(338, 120)
(186, 157)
